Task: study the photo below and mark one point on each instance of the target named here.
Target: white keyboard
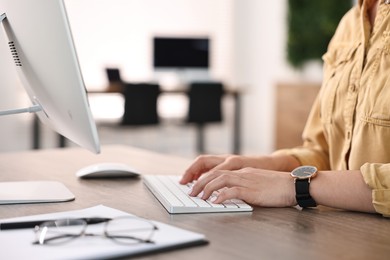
(174, 197)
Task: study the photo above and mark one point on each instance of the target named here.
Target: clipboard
(17, 243)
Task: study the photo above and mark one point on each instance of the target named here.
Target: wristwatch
(302, 176)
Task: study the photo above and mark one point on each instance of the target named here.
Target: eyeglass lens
(129, 230)
(60, 231)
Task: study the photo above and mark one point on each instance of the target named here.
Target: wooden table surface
(265, 233)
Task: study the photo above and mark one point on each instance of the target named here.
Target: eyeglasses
(124, 230)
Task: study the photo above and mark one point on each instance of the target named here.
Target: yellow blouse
(349, 124)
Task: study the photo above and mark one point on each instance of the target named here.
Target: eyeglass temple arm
(38, 242)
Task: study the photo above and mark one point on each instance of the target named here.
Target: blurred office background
(248, 43)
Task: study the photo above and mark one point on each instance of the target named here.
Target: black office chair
(140, 104)
(205, 101)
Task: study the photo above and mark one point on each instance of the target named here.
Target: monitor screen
(43, 54)
(170, 52)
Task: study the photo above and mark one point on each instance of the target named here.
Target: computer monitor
(43, 54)
(181, 52)
(113, 75)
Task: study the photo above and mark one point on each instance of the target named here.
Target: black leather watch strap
(302, 193)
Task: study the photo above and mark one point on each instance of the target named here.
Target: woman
(347, 135)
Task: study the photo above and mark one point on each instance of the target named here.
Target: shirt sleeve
(377, 177)
(314, 150)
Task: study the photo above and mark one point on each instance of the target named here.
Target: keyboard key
(229, 204)
(200, 202)
(241, 204)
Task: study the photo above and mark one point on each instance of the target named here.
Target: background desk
(236, 127)
(266, 233)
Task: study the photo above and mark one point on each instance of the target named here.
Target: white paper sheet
(17, 244)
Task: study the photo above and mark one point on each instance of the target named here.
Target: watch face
(304, 172)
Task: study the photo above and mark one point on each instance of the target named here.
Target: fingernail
(189, 191)
(213, 199)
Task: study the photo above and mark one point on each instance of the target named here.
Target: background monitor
(181, 53)
(43, 53)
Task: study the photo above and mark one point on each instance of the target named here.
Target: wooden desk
(266, 233)
(234, 93)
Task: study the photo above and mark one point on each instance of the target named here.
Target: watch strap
(302, 193)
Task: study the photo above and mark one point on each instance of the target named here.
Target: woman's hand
(206, 163)
(255, 186)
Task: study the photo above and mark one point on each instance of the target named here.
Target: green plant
(311, 25)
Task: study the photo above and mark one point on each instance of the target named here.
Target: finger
(232, 193)
(216, 181)
(202, 164)
(228, 179)
(203, 181)
(232, 162)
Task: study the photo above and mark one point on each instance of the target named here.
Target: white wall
(260, 35)
(259, 64)
(119, 33)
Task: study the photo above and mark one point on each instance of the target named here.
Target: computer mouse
(107, 170)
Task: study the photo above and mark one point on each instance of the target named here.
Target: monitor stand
(22, 192)
(32, 191)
